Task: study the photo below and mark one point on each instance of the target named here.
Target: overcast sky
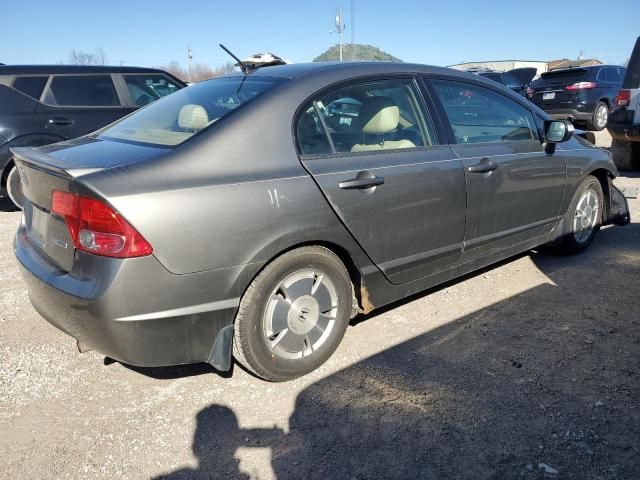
(438, 33)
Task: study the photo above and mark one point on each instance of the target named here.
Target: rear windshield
(561, 75)
(177, 117)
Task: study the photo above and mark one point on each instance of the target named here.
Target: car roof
(296, 70)
(58, 69)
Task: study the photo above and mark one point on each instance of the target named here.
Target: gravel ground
(529, 369)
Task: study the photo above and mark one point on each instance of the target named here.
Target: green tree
(356, 52)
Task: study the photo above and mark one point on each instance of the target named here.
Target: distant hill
(357, 52)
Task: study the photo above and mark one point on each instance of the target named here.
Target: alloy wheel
(602, 114)
(300, 314)
(586, 215)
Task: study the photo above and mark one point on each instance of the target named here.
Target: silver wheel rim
(586, 216)
(300, 314)
(13, 183)
(601, 116)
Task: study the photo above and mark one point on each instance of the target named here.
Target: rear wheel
(293, 315)
(14, 187)
(600, 117)
(584, 217)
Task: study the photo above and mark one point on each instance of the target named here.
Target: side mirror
(557, 131)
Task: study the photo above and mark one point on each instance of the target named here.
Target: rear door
(514, 188)
(374, 152)
(74, 105)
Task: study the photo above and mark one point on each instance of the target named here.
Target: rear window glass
(32, 86)
(561, 75)
(177, 117)
(82, 91)
(145, 89)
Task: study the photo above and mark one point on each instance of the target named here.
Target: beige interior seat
(379, 116)
(193, 117)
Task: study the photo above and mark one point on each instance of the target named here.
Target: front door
(514, 188)
(400, 194)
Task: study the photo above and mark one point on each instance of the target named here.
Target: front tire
(14, 187)
(293, 315)
(584, 217)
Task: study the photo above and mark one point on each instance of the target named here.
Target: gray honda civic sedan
(253, 215)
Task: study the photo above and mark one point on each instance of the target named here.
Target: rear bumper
(137, 312)
(569, 114)
(624, 131)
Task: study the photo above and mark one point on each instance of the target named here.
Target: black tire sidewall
(14, 189)
(256, 351)
(594, 124)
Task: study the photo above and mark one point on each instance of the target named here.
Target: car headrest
(193, 117)
(378, 115)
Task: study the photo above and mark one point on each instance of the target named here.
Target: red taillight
(97, 228)
(623, 98)
(580, 86)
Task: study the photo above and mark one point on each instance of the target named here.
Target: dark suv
(42, 104)
(583, 95)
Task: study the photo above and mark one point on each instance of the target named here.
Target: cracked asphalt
(528, 369)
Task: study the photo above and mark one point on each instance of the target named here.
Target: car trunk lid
(524, 74)
(48, 232)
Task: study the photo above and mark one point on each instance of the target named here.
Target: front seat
(192, 118)
(378, 117)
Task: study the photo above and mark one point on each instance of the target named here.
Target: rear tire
(599, 118)
(293, 315)
(584, 217)
(626, 155)
(14, 187)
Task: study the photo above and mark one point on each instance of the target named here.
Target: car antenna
(242, 66)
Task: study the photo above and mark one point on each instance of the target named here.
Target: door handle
(485, 166)
(60, 121)
(356, 183)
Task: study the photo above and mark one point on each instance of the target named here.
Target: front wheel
(293, 315)
(14, 187)
(584, 217)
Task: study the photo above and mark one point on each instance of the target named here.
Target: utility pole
(189, 58)
(353, 23)
(339, 28)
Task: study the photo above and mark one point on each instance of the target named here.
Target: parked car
(190, 231)
(582, 95)
(518, 79)
(41, 104)
(624, 122)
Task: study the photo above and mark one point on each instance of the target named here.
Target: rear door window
(147, 88)
(478, 114)
(32, 86)
(82, 91)
(363, 117)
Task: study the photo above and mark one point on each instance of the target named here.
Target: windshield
(177, 117)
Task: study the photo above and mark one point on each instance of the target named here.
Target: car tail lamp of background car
(581, 86)
(623, 98)
(97, 228)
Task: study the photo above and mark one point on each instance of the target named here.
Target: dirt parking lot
(526, 370)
